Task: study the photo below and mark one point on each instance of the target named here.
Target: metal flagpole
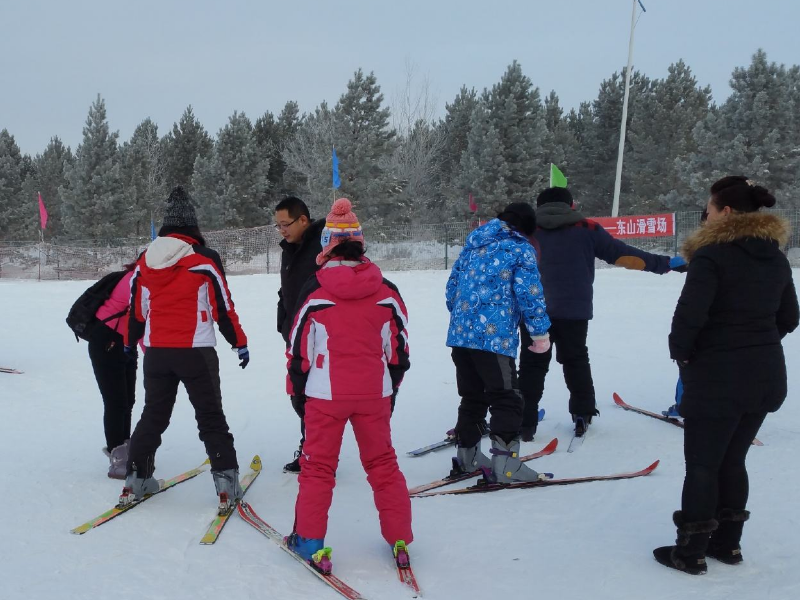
(622, 127)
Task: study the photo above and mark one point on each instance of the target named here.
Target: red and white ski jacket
(178, 290)
(349, 339)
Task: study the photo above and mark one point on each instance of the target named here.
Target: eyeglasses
(284, 227)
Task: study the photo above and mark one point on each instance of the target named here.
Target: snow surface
(588, 541)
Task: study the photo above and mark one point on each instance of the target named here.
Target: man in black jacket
(300, 245)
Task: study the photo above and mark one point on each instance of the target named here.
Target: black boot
(724, 542)
(689, 552)
(294, 466)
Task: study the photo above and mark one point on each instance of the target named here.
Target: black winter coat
(298, 263)
(737, 304)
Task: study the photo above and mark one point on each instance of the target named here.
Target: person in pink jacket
(348, 352)
(115, 373)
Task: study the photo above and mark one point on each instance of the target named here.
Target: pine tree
(754, 133)
(93, 200)
(46, 176)
(456, 126)
(232, 183)
(143, 167)
(11, 178)
(187, 141)
(484, 172)
(517, 115)
(660, 135)
(271, 136)
(364, 145)
(561, 145)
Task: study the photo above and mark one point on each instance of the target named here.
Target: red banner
(639, 226)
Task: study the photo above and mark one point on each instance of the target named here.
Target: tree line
(400, 164)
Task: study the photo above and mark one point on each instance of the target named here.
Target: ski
(212, 534)
(483, 486)
(677, 422)
(404, 571)
(11, 371)
(118, 510)
(249, 515)
(548, 449)
(450, 440)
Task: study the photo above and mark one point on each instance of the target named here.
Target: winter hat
(555, 194)
(179, 211)
(341, 225)
(520, 216)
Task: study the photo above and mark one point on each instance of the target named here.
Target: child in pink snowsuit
(348, 353)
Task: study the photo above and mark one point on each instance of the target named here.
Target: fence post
(446, 245)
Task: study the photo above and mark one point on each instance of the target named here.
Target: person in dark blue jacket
(494, 285)
(569, 245)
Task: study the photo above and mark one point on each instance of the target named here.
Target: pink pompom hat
(341, 225)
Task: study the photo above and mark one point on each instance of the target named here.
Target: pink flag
(472, 206)
(42, 212)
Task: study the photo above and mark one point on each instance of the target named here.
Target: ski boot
(137, 488)
(294, 466)
(582, 423)
(313, 551)
(401, 557)
(118, 461)
(672, 412)
(506, 465)
(468, 460)
(228, 489)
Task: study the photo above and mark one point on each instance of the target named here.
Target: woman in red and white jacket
(348, 353)
(178, 291)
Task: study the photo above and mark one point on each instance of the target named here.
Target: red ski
(677, 422)
(483, 486)
(548, 449)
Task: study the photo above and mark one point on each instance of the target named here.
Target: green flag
(557, 178)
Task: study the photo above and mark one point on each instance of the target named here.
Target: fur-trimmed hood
(735, 227)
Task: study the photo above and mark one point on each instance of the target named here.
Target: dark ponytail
(741, 194)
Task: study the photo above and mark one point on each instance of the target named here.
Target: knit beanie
(179, 211)
(555, 194)
(520, 216)
(341, 225)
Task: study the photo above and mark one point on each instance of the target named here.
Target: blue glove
(131, 353)
(244, 355)
(678, 264)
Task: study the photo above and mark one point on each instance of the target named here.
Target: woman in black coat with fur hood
(737, 304)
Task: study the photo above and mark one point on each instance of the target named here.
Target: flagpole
(623, 125)
(333, 189)
(41, 234)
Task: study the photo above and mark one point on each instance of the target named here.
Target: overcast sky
(153, 58)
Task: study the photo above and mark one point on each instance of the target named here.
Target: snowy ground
(590, 541)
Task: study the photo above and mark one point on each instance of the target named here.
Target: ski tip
(652, 467)
(551, 446)
(757, 442)
(207, 461)
(255, 464)
(617, 400)
(541, 414)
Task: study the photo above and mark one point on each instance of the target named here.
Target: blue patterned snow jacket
(493, 286)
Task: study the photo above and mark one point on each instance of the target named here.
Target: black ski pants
(486, 382)
(568, 336)
(198, 370)
(716, 476)
(116, 378)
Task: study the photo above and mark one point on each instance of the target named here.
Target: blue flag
(336, 181)
(152, 229)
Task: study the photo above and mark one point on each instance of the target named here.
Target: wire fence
(256, 250)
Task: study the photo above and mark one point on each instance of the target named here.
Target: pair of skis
(217, 523)
(11, 371)
(406, 575)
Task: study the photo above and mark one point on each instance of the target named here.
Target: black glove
(299, 405)
(244, 356)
